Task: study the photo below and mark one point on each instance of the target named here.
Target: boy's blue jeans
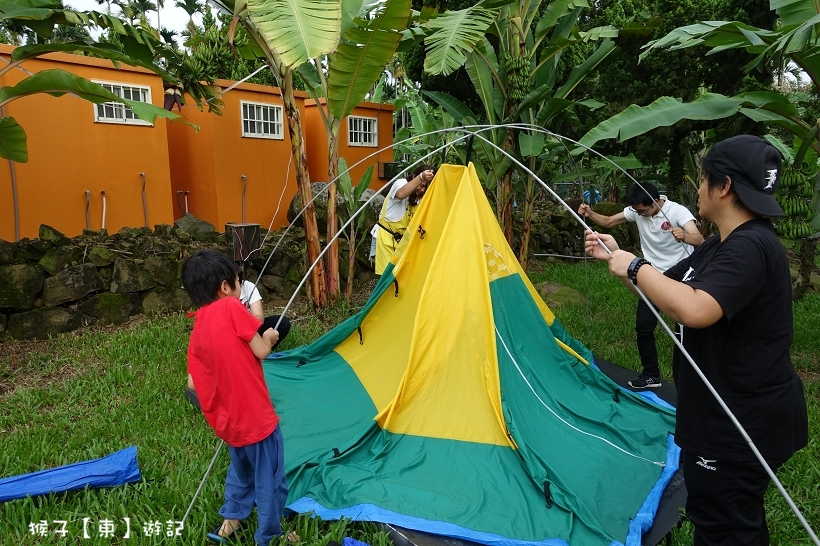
(257, 475)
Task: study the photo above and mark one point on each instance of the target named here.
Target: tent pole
(202, 482)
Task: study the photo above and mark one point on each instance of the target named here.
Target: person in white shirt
(397, 210)
(252, 300)
(668, 233)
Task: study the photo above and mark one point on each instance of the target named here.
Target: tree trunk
(526, 227)
(297, 148)
(505, 212)
(351, 263)
(677, 166)
(332, 255)
(803, 280)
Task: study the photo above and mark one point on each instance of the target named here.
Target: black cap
(754, 166)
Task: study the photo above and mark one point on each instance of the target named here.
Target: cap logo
(771, 178)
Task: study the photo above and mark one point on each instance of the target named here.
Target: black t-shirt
(745, 354)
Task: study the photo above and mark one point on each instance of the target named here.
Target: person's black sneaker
(645, 382)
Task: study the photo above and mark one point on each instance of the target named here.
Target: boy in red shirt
(224, 355)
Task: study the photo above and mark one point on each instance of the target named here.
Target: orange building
(236, 168)
(246, 151)
(368, 129)
(76, 147)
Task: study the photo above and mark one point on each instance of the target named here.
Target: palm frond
(454, 35)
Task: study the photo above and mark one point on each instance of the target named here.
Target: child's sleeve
(245, 324)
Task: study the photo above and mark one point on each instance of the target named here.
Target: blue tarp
(116, 469)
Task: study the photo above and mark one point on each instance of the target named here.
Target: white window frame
(353, 131)
(120, 107)
(278, 126)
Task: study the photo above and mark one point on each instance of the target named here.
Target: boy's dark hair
(203, 273)
(635, 194)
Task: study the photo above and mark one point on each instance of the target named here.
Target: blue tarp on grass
(116, 469)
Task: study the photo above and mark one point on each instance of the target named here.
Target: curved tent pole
(351, 219)
(304, 208)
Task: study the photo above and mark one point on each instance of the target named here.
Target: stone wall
(54, 284)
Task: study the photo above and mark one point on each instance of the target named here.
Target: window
(117, 112)
(362, 131)
(261, 120)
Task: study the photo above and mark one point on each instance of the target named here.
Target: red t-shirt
(227, 375)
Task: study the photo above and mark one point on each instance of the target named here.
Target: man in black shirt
(732, 298)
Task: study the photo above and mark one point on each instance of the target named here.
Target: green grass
(85, 395)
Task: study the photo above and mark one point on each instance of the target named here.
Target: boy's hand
(584, 210)
(270, 335)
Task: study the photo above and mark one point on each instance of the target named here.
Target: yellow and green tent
(455, 403)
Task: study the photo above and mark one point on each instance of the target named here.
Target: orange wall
(69, 153)
(210, 164)
(317, 143)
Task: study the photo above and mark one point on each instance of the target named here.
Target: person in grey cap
(733, 300)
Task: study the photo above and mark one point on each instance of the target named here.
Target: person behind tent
(397, 210)
(224, 355)
(252, 300)
(733, 300)
(667, 232)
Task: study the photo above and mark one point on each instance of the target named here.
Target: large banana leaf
(482, 68)
(797, 41)
(794, 12)
(460, 112)
(58, 83)
(580, 71)
(359, 60)
(454, 35)
(666, 111)
(12, 140)
(555, 11)
(298, 30)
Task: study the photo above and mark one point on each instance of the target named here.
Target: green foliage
(794, 193)
(680, 74)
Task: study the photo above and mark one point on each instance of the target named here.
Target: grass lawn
(85, 395)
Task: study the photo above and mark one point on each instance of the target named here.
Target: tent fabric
(456, 403)
(118, 468)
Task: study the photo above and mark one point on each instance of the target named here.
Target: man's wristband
(632, 270)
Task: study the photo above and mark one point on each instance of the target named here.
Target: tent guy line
(570, 425)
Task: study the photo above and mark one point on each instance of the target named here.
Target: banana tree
(350, 198)
(340, 48)
(795, 40)
(515, 76)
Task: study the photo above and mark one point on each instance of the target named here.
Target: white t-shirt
(395, 207)
(249, 294)
(657, 242)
